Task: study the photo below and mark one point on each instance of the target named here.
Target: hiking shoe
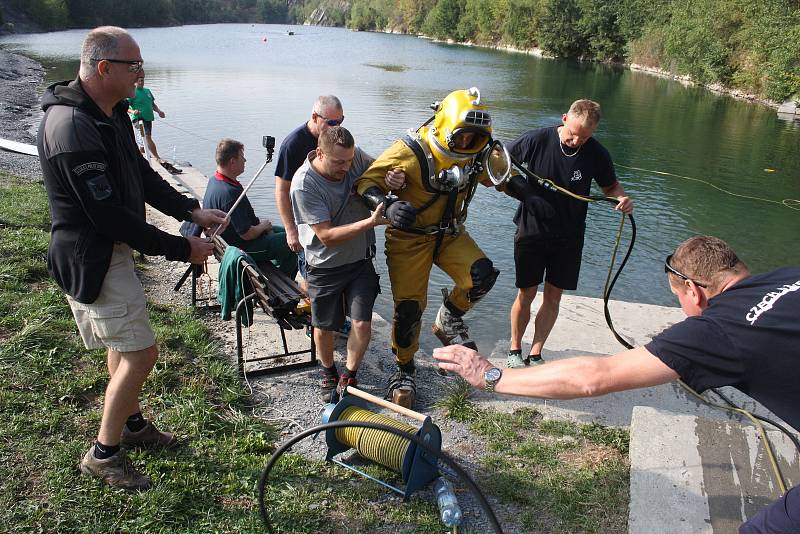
(116, 471)
(327, 391)
(535, 359)
(345, 381)
(514, 360)
(403, 388)
(450, 329)
(149, 436)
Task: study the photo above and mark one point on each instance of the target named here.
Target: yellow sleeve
(397, 156)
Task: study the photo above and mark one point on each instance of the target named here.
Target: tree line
(752, 46)
(61, 14)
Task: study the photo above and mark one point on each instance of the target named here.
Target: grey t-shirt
(316, 199)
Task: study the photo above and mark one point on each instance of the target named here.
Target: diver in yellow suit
(443, 164)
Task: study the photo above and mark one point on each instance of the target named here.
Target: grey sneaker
(450, 329)
(514, 360)
(149, 436)
(115, 471)
(536, 359)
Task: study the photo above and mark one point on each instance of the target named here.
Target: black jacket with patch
(97, 183)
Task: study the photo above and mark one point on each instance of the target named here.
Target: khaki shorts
(117, 320)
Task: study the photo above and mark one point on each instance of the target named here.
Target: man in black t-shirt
(742, 331)
(548, 243)
(327, 112)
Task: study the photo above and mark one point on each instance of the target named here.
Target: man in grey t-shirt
(336, 230)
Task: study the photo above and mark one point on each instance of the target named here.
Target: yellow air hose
(385, 449)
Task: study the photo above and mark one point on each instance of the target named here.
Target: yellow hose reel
(416, 466)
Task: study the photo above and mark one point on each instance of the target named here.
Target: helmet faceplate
(460, 111)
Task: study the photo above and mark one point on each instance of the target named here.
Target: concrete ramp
(17, 147)
(690, 474)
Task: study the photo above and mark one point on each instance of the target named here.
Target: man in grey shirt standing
(336, 230)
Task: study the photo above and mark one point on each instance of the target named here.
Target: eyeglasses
(330, 122)
(670, 269)
(133, 66)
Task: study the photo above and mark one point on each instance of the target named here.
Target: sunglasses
(330, 122)
(133, 66)
(670, 269)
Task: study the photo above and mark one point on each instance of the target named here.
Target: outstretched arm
(570, 378)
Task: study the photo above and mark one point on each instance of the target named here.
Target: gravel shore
(20, 88)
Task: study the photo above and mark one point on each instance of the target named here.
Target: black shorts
(348, 290)
(148, 126)
(556, 261)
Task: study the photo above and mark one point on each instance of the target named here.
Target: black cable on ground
(439, 454)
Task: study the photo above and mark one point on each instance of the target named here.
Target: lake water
(245, 81)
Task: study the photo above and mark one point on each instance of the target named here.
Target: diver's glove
(401, 214)
(535, 205)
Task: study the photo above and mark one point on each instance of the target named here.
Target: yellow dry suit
(442, 172)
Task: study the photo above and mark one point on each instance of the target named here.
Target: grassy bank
(552, 476)
(51, 391)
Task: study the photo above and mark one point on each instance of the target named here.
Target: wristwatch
(492, 377)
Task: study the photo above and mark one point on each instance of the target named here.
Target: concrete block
(691, 474)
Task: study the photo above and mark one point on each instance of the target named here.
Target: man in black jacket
(97, 184)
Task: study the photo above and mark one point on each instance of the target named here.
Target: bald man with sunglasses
(742, 330)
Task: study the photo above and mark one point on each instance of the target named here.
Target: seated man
(259, 238)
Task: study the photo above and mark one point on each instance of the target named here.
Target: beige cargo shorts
(117, 320)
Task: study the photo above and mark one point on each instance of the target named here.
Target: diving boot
(402, 386)
(450, 329)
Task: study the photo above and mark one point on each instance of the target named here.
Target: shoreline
(683, 79)
(19, 110)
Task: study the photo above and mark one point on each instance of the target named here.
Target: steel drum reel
(416, 466)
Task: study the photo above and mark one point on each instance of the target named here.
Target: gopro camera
(268, 142)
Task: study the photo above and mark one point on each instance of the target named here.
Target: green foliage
(699, 41)
(51, 14)
(522, 26)
(600, 27)
(751, 46)
(479, 23)
(272, 11)
(364, 16)
(411, 14)
(560, 32)
(442, 21)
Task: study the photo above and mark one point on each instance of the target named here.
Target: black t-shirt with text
(541, 150)
(293, 152)
(748, 337)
